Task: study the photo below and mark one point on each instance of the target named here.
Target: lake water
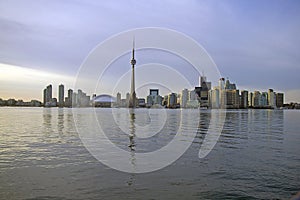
(257, 156)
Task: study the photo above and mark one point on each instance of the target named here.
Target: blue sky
(254, 43)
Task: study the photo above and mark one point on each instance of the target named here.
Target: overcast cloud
(254, 43)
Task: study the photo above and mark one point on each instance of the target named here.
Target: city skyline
(59, 99)
(254, 43)
(224, 95)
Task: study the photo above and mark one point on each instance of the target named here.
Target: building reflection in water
(132, 144)
(60, 120)
(47, 118)
(243, 126)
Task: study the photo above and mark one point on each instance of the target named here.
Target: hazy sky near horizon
(254, 43)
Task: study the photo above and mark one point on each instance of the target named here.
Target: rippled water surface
(42, 157)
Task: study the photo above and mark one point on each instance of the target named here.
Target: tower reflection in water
(132, 144)
(132, 130)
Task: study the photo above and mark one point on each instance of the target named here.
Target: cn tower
(132, 99)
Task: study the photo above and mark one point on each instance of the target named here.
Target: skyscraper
(154, 98)
(250, 99)
(215, 98)
(70, 97)
(202, 91)
(229, 86)
(244, 99)
(222, 84)
(48, 101)
(61, 95)
(232, 98)
(264, 99)
(127, 99)
(279, 100)
(132, 99)
(172, 100)
(45, 96)
(271, 98)
(118, 99)
(184, 98)
(49, 93)
(222, 93)
(256, 99)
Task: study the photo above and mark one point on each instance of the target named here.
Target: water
(256, 157)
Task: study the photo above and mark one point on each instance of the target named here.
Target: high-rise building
(250, 99)
(61, 95)
(232, 98)
(244, 99)
(154, 92)
(45, 96)
(74, 99)
(165, 100)
(203, 83)
(184, 98)
(70, 98)
(256, 99)
(229, 86)
(172, 100)
(197, 91)
(118, 99)
(279, 100)
(271, 98)
(202, 79)
(127, 99)
(132, 99)
(178, 99)
(49, 93)
(214, 98)
(154, 98)
(80, 99)
(222, 83)
(149, 101)
(202, 91)
(193, 101)
(264, 99)
(192, 95)
(222, 93)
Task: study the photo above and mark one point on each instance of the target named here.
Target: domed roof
(104, 98)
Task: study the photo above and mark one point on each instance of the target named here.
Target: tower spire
(133, 45)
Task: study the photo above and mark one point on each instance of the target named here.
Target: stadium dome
(103, 100)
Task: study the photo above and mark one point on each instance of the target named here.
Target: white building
(119, 99)
(154, 98)
(271, 98)
(214, 97)
(184, 98)
(192, 95)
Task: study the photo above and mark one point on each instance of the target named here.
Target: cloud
(24, 83)
(253, 42)
(292, 96)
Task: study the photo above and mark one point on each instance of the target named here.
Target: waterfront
(256, 157)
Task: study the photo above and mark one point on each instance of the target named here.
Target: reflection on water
(47, 116)
(42, 157)
(132, 130)
(132, 144)
(60, 120)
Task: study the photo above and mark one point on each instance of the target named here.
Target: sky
(255, 43)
